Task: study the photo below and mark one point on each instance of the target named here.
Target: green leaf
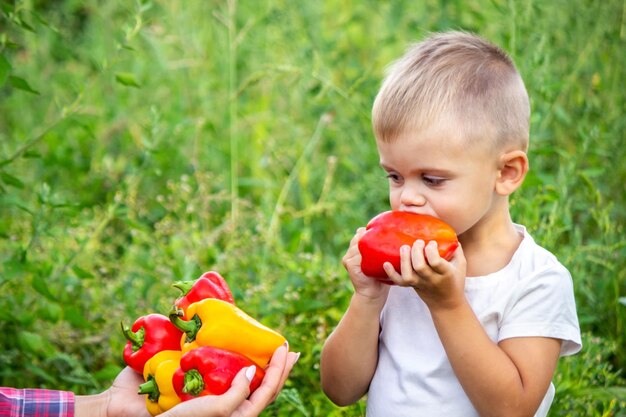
(9, 179)
(6, 8)
(291, 396)
(21, 84)
(44, 22)
(75, 317)
(25, 25)
(31, 342)
(49, 311)
(40, 373)
(31, 154)
(41, 286)
(127, 78)
(5, 69)
(107, 373)
(81, 273)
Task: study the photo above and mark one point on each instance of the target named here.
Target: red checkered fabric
(35, 403)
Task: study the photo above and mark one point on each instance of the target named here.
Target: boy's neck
(490, 244)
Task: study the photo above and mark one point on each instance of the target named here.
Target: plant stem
(282, 197)
(232, 111)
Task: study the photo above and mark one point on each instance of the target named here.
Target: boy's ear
(512, 170)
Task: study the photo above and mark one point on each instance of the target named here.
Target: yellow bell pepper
(158, 372)
(221, 324)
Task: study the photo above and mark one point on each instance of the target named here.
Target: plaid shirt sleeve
(35, 403)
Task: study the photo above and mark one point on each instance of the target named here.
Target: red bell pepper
(387, 232)
(149, 335)
(208, 370)
(210, 285)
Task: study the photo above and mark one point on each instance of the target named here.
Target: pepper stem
(151, 388)
(194, 384)
(190, 327)
(184, 286)
(135, 338)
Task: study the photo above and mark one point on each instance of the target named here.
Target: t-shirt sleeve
(543, 305)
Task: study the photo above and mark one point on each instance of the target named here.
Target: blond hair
(454, 77)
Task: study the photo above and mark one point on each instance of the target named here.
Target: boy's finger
(431, 252)
(406, 263)
(357, 236)
(418, 260)
(392, 274)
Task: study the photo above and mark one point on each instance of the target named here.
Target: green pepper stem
(184, 286)
(135, 338)
(194, 384)
(190, 327)
(151, 388)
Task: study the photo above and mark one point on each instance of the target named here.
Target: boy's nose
(412, 197)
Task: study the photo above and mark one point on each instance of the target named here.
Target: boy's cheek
(394, 201)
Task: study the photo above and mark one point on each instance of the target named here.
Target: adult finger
(292, 358)
(215, 405)
(273, 379)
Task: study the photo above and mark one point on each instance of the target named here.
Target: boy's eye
(393, 177)
(432, 181)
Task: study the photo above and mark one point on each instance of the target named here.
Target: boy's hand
(439, 283)
(363, 285)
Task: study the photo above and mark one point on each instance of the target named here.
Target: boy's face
(435, 172)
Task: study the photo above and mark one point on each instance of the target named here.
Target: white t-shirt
(532, 296)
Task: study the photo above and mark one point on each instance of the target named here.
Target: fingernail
(250, 372)
(286, 344)
(297, 357)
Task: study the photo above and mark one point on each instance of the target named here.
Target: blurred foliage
(146, 142)
(587, 384)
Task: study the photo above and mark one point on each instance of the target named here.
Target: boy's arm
(505, 379)
(350, 354)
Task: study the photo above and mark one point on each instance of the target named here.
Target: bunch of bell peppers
(199, 347)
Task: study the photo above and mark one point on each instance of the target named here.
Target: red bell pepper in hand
(389, 231)
(149, 335)
(210, 285)
(208, 370)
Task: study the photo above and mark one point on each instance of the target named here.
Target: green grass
(169, 138)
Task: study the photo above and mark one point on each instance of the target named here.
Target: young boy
(482, 333)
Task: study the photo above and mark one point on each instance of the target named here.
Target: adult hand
(235, 401)
(122, 400)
